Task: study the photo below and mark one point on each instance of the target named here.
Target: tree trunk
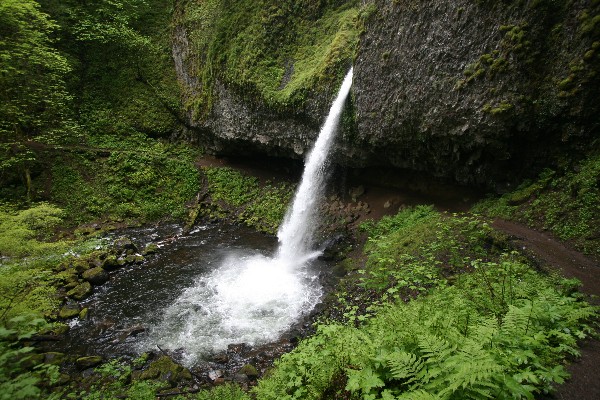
(28, 184)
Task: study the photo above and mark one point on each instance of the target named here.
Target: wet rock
(221, 358)
(80, 291)
(151, 248)
(96, 276)
(69, 310)
(219, 381)
(215, 374)
(166, 370)
(249, 370)
(124, 244)
(130, 259)
(83, 313)
(111, 263)
(88, 362)
(54, 358)
(134, 330)
(333, 248)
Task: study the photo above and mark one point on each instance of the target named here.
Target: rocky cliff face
(476, 91)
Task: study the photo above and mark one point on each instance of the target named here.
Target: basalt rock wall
(479, 92)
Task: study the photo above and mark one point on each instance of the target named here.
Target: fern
(418, 395)
(404, 366)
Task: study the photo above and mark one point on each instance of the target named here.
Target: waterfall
(296, 233)
(250, 297)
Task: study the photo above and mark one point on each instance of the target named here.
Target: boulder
(80, 291)
(124, 245)
(96, 276)
(249, 370)
(166, 370)
(83, 313)
(151, 248)
(54, 358)
(80, 265)
(111, 263)
(69, 310)
(88, 362)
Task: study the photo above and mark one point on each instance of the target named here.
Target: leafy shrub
(20, 376)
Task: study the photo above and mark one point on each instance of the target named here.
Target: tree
(34, 101)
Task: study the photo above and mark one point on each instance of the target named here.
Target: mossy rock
(80, 265)
(96, 276)
(249, 370)
(124, 244)
(80, 291)
(84, 313)
(111, 263)
(54, 358)
(151, 248)
(88, 362)
(166, 370)
(69, 310)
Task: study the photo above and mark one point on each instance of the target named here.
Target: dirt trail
(584, 383)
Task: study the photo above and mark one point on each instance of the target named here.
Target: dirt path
(550, 253)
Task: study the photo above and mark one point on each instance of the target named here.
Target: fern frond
(418, 395)
(433, 348)
(471, 371)
(404, 366)
(517, 320)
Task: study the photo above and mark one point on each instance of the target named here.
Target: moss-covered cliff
(477, 91)
(259, 75)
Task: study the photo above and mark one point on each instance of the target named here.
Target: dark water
(127, 313)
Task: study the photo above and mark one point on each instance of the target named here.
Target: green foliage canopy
(34, 101)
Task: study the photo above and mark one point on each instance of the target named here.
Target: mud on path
(550, 253)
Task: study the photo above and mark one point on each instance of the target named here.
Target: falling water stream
(251, 297)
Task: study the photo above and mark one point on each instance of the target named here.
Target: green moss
(273, 51)
(240, 197)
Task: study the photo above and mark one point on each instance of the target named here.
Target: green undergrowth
(29, 261)
(20, 377)
(135, 179)
(277, 52)
(490, 325)
(413, 252)
(241, 198)
(565, 202)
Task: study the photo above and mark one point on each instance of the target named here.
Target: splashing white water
(252, 298)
